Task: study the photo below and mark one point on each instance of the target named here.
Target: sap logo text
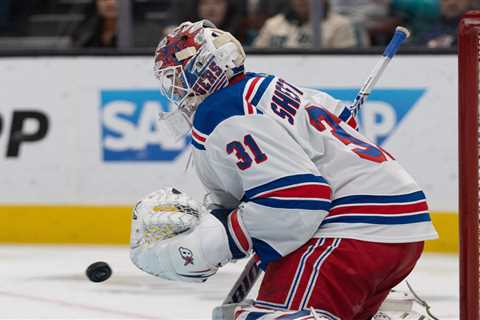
(27, 126)
(384, 110)
(131, 130)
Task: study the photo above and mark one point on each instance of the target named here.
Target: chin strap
(189, 163)
(179, 126)
(179, 122)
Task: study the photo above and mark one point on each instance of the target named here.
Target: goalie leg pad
(227, 311)
(401, 305)
(399, 315)
(251, 312)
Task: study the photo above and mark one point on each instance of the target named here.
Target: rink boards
(80, 142)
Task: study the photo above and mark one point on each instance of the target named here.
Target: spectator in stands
(443, 33)
(225, 14)
(4, 14)
(292, 28)
(14, 15)
(418, 15)
(100, 27)
(220, 12)
(373, 17)
(258, 11)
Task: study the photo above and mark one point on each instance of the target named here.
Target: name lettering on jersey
(208, 79)
(286, 100)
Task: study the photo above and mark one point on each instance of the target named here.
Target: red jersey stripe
(303, 191)
(239, 232)
(380, 209)
(249, 108)
(251, 88)
(198, 137)
(352, 123)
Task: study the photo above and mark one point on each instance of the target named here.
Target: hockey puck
(99, 271)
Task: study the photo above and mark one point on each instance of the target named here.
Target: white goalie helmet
(192, 62)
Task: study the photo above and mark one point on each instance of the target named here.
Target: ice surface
(49, 282)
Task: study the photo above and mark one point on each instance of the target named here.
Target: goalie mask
(192, 62)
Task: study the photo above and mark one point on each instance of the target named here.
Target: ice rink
(48, 282)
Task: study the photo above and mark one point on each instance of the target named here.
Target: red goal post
(469, 175)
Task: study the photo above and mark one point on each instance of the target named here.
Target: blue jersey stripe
(422, 217)
(222, 216)
(198, 145)
(200, 276)
(282, 182)
(221, 105)
(254, 315)
(346, 113)
(265, 252)
(296, 315)
(293, 204)
(261, 90)
(409, 197)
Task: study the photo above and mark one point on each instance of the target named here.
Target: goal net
(469, 163)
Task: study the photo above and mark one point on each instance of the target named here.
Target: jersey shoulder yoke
(234, 100)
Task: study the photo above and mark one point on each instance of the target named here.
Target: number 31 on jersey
(244, 151)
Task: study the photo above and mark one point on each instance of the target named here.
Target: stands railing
(249, 51)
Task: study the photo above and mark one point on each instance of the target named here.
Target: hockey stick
(244, 284)
(238, 292)
(401, 34)
(251, 272)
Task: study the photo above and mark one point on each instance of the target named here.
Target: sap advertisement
(85, 131)
(131, 130)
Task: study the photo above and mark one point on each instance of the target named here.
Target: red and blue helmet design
(196, 59)
(180, 39)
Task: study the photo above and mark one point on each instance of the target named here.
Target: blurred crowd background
(272, 24)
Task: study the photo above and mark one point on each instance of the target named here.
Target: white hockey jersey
(294, 167)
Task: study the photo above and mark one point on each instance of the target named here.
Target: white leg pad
(400, 306)
(398, 301)
(399, 315)
(226, 311)
(242, 311)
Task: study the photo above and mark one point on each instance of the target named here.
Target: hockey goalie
(334, 221)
